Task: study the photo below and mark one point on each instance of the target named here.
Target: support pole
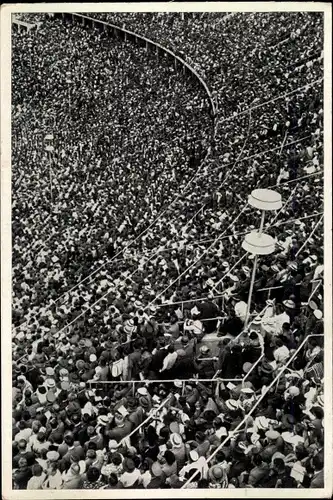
(254, 270)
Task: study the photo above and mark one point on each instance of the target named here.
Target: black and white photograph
(168, 311)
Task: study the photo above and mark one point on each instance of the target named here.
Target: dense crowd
(135, 159)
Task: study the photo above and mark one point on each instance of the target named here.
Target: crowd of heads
(140, 205)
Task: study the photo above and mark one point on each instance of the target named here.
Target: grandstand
(151, 349)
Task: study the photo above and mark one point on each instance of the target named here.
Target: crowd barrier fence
(86, 20)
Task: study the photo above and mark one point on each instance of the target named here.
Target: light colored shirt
(127, 479)
(24, 434)
(169, 361)
(36, 482)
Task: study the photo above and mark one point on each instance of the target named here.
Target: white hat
(293, 391)
(318, 314)
(122, 410)
(194, 455)
(262, 423)
(291, 438)
(142, 391)
(113, 445)
(247, 390)
(50, 382)
(102, 419)
(176, 440)
(232, 404)
(290, 304)
(257, 320)
(92, 358)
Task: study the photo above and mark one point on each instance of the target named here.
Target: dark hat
(266, 368)
(144, 402)
(131, 402)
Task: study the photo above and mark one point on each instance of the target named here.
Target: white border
(6, 11)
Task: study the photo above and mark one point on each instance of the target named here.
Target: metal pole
(50, 173)
(253, 274)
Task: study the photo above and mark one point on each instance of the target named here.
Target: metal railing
(244, 421)
(85, 19)
(150, 417)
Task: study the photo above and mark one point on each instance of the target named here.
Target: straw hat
(216, 473)
(156, 469)
(176, 440)
(273, 435)
(53, 456)
(50, 382)
(289, 304)
(232, 404)
(262, 423)
(318, 314)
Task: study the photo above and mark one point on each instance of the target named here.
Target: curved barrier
(117, 30)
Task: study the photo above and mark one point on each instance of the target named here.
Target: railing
(243, 422)
(127, 33)
(148, 42)
(23, 24)
(154, 411)
(221, 296)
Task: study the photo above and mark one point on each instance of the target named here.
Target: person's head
(257, 460)
(318, 462)
(37, 470)
(278, 465)
(203, 483)
(116, 459)
(90, 431)
(41, 436)
(22, 425)
(53, 468)
(286, 327)
(113, 479)
(91, 454)
(75, 469)
(35, 426)
(93, 474)
(22, 445)
(169, 457)
(57, 438)
(200, 436)
(69, 440)
(22, 462)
